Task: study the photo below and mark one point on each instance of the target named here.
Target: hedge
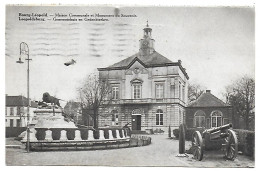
(14, 131)
(246, 141)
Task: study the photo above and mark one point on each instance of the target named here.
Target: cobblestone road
(162, 152)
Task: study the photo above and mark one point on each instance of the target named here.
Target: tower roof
(207, 100)
(147, 56)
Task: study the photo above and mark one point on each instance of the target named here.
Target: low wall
(83, 139)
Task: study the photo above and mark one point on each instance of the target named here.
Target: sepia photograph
(120, 86)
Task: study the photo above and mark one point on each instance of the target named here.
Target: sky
(215, 44)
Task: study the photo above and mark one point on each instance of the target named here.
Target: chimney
(207, 91)
(179, 61)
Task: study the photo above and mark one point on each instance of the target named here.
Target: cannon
(229, 145)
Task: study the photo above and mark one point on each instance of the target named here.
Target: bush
(160, 131)
(176, 133)
(14, 131)
(246, 141)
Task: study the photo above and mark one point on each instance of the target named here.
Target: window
(216, 119)
(11, 123)
(159, 117)
(199, 119)
(11, 111)
(136, 88)
(18, 122)
(115, 92)
(137, 91)
(159, 91)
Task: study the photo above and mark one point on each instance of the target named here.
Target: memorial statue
(50, 99)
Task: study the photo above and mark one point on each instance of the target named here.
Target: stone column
(63, 135)
(77, 135)
(48, 135)
(90, 135)
(101, 135)
(110, 135)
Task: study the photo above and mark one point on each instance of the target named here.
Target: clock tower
(146, 43)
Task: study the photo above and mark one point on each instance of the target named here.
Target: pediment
(136, 67)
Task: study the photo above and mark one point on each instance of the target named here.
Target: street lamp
(24, 50)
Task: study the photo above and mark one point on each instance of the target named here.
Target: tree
(194, 91)
(94, 95)
(241, 95)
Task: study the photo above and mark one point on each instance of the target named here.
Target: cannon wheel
(197, 145)
(231, 145)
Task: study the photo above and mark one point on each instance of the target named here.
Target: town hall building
(149, 91)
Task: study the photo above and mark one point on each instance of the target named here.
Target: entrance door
(136, 122)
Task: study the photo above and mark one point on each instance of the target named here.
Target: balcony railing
(148, 100)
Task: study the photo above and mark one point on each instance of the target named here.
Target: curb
(13, 146)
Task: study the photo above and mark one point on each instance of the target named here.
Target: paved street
(162, 152)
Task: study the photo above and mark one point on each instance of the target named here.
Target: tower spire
(147, 42)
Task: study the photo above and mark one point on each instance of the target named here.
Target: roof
(18, 101)
(208, 100)
(152, 60)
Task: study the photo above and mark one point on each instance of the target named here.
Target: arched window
(199, 119)
(216, 118)
(159, 117)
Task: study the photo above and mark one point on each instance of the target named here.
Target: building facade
(149, 91)
(208, 112)
(16, 111)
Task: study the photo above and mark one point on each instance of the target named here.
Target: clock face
(136, 70)
(145, 43)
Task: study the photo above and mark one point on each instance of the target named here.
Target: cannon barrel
(227, 126)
